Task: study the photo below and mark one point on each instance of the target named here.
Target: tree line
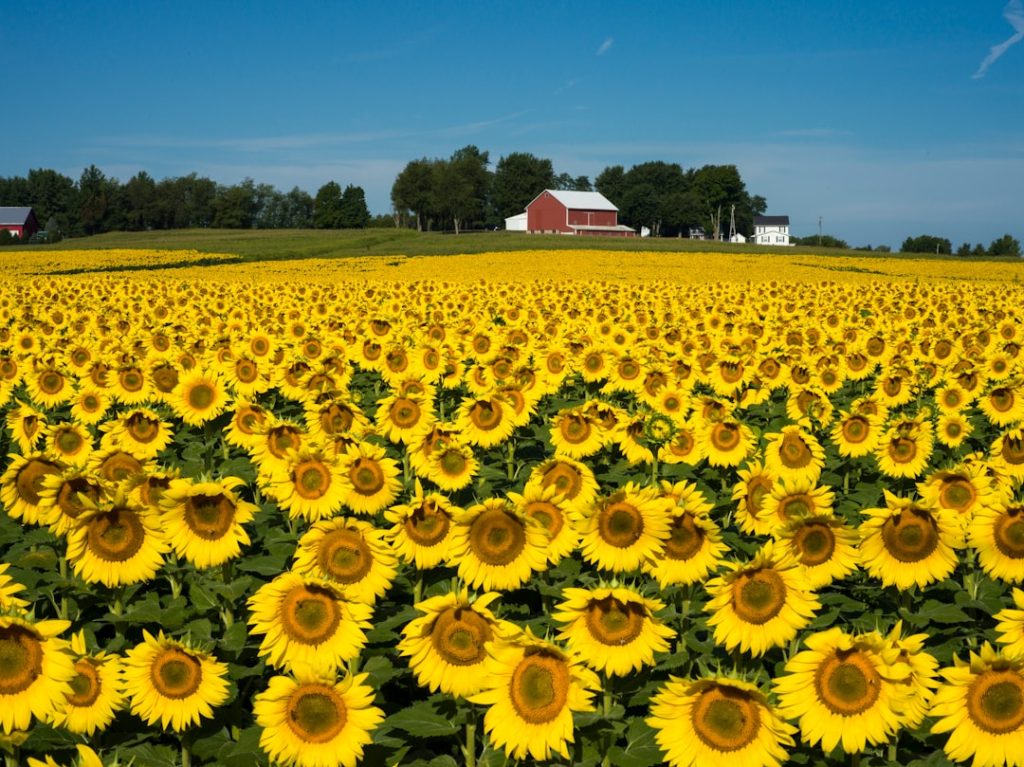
(462, 192)
(97, 203)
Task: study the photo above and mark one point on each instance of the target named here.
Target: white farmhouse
(771, 230)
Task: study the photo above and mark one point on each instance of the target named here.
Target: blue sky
(871, 114)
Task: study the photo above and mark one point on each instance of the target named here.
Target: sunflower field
(320, 513)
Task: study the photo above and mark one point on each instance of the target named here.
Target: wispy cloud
(1014, 14)
(605, 46)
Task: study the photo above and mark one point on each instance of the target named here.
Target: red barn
(21, 222)
(558, 212)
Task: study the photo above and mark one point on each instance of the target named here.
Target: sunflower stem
(855, 759)
(891, 755)
(186, 754)
(62, 610)
(470, 751)
(654, 470)
(417, 587)
(510, 460)
(607, 700)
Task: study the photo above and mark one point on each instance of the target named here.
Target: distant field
(273, 244)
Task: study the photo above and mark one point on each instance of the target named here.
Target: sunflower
(570, 478)
(953, 429)
(22, 483)
(548, 507)
(200, 397)
(613, 629)
(421, 529)
(1008, 452)
(139, 431)
(35, 672)
(790, 499)
(89, 405)
(117, 542)
(116, 465)
(981, 706)
(577, 433)
(907, 543)
(26, 425)
(403, 418)
(170, 682)
(794, 454)
(307, 620)
(312, 719)
(68, 443)
(905, 448)
(823, 545)
(130, 385)
(755, 485)
(352, 554)
(856, 434)
(759, 604)
(49, 387)
(685, 446)
(843, 689)
(621, 531)
(694, 546)
(923, 670)
(248, 420)
(485, 421)
(311, 484)
(532, 688)
(997, 534)
(66, 496)
(962, 490)
(96, 691)
(372, 477)
(452, 465)
(1011, 626)
(1003, 405)
(951, 399)
(447, 645)
(725, 441)
(276, 439)
(203, 521)
(497, 546)
(718, 721)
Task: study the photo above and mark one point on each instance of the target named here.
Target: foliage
(927, 243)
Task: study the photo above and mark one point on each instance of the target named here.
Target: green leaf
(265, 565)
(244, 752)
(151, 755)
(200, 596)
(422, 721)
(641, 748)
(940, 612)
(234, 637)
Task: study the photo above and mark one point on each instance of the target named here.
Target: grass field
(274, 244)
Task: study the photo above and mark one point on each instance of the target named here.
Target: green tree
(139, 202)
(470, 190)
(352, 211)
(235, 207)
(413, 191)
(518, 179)
(611, 182)
(327, 206)
(1005, 246)
(93, 200)
(927, 243)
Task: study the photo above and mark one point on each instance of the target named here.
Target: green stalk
(607, 700)
(469, 752)
(417, 587)
(62, 611)
(855, 759)
(654, 470)
(892, 755)
(186, 754)
(510, 460)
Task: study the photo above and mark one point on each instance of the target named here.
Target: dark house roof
(15, 216)
(771, 220)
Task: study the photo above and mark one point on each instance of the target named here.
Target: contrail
(1014, 14)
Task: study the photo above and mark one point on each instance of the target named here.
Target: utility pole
(819, 231)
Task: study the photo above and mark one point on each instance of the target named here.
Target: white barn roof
(580, 200)
(14, 216)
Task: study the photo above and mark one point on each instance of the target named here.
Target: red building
(555, 211)
(21, 222)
